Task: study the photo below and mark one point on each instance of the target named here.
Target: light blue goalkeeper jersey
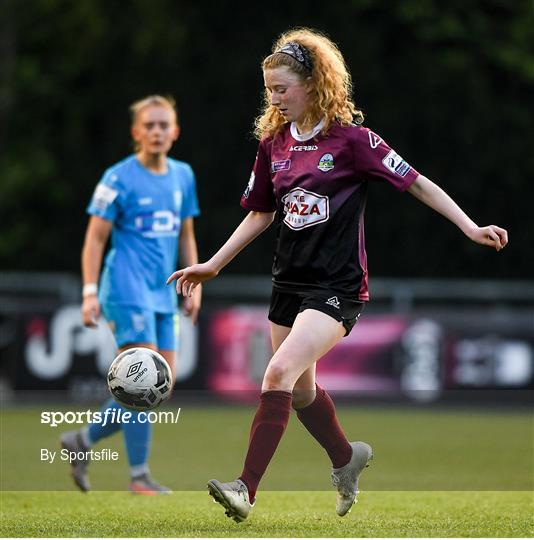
(147, 210)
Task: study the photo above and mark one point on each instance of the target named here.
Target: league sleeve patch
(394, 163)
(104, 196)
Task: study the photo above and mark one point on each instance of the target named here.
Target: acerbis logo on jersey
(304, 148)
(326, 163)
(304, 208)
(396, 164)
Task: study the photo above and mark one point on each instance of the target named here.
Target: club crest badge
(326, 163)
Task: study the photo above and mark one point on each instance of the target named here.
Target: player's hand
(188, 278)
(90, 311)
(491, 236)
(191, 305)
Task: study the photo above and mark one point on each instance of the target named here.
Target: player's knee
(302, 397)
(275, 376)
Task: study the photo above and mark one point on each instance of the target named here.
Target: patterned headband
(298, 52)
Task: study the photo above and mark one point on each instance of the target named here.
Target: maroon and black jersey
(318, 188)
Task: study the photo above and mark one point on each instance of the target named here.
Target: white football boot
(346, 478)
(233, 496)
(72, 441)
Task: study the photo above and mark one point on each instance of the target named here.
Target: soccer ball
(140, 379)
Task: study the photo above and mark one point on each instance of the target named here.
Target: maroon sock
(320, 419)
(267, 429)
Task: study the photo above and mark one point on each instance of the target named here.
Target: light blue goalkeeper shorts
(132, 324)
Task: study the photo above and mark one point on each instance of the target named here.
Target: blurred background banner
(448, 85)
(420, 340)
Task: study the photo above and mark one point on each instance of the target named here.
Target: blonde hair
(331, 83)
(154, 100)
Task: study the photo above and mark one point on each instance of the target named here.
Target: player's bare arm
(249, 229)
(432, 195)
(96, 237)
(189, 257)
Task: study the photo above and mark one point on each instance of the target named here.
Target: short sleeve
(375, 160)
(259, 195)
(190, 206)
(108, 197)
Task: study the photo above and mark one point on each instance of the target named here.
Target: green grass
(435, 473)
(277, 514)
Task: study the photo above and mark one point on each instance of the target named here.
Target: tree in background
(451, 85)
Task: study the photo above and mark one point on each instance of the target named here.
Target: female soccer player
(147, 202)
(311, 171)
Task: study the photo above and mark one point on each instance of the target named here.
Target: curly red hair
(331, 82)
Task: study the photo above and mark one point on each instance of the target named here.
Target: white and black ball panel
(163, 379)
(140, 378)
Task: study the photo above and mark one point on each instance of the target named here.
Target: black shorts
(285, 307)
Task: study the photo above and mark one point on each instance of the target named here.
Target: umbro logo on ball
(133, 369)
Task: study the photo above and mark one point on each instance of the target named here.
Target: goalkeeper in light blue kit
(147, 203)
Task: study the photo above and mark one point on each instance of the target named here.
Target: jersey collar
(301, 137)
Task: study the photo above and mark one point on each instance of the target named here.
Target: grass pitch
(435, 473)
(277, 514)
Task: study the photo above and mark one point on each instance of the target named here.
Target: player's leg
(304, 389)
(138, 435)
(319, 417)
(278, 334)
(80, 441)
(317, 412)
(312, 335)
(170, 356)
(234, 496)
(167, 333)
(348, 458)
(129, 328)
